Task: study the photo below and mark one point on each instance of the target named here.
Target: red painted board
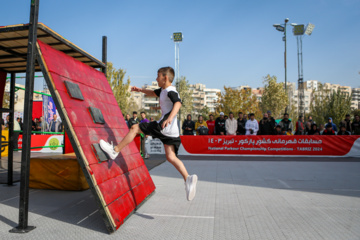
(67, 143)
(124, 182)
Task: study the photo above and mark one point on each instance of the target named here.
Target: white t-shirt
(168, 97)
(251, 124)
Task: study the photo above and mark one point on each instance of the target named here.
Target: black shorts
(154, 129)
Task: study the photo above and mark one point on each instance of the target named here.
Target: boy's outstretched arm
(173, 113)
(147, 92)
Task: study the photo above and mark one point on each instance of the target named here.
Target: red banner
(272, 145)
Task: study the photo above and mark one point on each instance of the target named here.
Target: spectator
(347, 123)
(299, 128)
(355, 126)
(241, 125)
(2, 124)
(151, 119)
(329, 130)
(16, 125)
(286, 123)
(38, 125)
(272, 120)
(333, 124)
(314, 130)
(20, 123)
(321, 128)
(308, 124)
(252, 126)
(7, 121)
(34, 124)
(231, 125)
(55, 125)
(266, 126)
(143, 140)
(127, 120)
(220, 125)
(278, 130)
(201, 126)
(44, 126)
(211, 124)
(245, 117)
(188, 126)
(307, 127)
(134, 119)
(283, 131)
(143, 117)
(343, 130)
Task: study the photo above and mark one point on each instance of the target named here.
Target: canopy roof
(14, 41)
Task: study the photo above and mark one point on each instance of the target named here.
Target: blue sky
(229, 43)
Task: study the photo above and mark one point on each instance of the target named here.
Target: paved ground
(246, 199)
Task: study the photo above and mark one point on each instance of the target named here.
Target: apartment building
(294, 99)
(211, 98)
(355, 100)
(203, 96)
(312, 84)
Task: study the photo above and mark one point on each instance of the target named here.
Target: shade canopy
(14, 41)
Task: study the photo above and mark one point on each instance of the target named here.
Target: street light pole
(286, 21)
(282, 28)
(299, 30)
(177, 37)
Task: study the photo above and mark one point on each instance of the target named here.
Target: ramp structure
(90, 112)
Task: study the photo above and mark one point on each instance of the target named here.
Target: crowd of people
(246, 124)
(38, 124)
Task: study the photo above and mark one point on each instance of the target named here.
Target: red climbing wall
(119, 185)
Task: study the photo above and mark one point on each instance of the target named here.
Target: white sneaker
(109, 149)
(147, 156)
(190, 187)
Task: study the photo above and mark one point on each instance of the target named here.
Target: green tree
(183, 88)
(234, 100)
(205, 111)
(6, 100)
(339, 105)
(326, 103)
(318, 106)
(120, 88)
(274, 97)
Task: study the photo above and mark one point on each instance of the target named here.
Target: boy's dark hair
(240, 113)
(142, 113)
(210, 114)
(231, 113)
(251, 114)
(167, 71)
(134, 112)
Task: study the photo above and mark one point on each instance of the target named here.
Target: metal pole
(11, 131)
(285, 65)
(25, 155)
(301, 109)
(104, 53)
(286, 20)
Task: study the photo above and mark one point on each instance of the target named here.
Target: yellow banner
(4, 143)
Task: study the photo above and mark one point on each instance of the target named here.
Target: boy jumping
(166, 129)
